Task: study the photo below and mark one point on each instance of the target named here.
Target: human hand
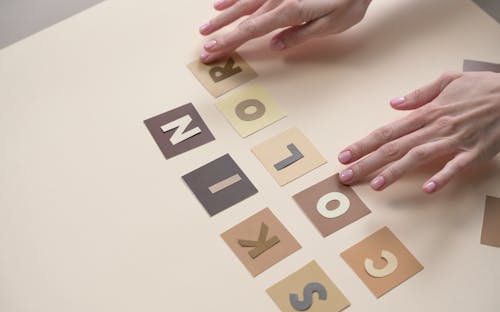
(305, 19)
(456, 116)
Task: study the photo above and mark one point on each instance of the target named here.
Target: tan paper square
(250, 109)
(490, 233)
(224, 75)
(278, 152)
(385, 274)
(301, 284)
(279, 243)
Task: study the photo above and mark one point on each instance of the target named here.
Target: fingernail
(378, 183)
(430, 187)
(204, 28)
(398, 101)
(345, 156)
(277, 44)
(219, 2)
(204, 56)
(346, 175)
(210, 45)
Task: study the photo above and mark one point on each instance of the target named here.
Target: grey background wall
(21, 18)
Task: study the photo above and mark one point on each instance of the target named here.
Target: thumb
(296, 35)
(425, 94)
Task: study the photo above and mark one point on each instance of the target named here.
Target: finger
(223, 4)
(233, 13)
(250, 29)
(449, 171)
(416, 157)
(380, 137)
(296, 35)
(386, 154)
(426, 94)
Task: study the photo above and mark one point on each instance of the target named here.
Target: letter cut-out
(219, 73)
(296, 156)
(242, 108)
(262, 244)
(309, 290)
(179, 126)
(224, 75)
(219, 184)
(272, 243)
(250, 109)
(179, 130)
(317, 291)
(277, 159)
(323, 202)
(388, 269)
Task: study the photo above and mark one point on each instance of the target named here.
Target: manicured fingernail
(378, 183)
(219, 3)
(204, 56)
(346, 175)
(398, 101)
(204, 28)
(345, 156)
(430, 187)
(210, 45)
(277, 44)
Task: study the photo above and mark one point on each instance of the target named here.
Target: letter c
(392, 265)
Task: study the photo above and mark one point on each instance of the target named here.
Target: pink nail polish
(210, 45)
(398, 101)
(277, 44)
(204, 28)
(345, 156)
(204, 56)
(346, 175)
(378, 183)
(430, 187)
(219, 3)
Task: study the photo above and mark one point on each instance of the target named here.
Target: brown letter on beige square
(249, 230)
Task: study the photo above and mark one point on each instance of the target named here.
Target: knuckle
(445, 124)
(292, 11)
(420, 153)
(384, 133)
(391, 174)
(449, 75)
(248, 27)
(359, 168)
(390, 150)
(416, 95)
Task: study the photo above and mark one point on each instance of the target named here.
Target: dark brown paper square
(490, 234)
(219, 184)
(176, 141)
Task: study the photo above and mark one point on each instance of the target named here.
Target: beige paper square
(296, 284)
(250, 229)
(274, 151)
(372, 248)
(241, 73)
(250, 109)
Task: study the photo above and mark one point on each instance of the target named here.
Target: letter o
(240, 110)
(340, 210)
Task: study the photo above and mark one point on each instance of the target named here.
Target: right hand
(303, 20)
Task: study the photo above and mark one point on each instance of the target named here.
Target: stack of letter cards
(381, 260)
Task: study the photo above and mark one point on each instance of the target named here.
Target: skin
(457, 116)
(301, 20)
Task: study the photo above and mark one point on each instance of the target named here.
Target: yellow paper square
(250, 109)
(296, 284)
(275, 150)
(242, 73)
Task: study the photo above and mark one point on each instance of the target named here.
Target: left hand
(456, 116)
